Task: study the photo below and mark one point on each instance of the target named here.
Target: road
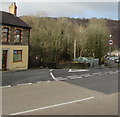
(68, 92)
(104, 80)
(21, 77)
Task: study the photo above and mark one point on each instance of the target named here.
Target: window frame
(15, 38)
(17, 54)
(7, 34)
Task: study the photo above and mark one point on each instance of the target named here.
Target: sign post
(110, 42)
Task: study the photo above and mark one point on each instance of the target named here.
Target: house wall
(0, 57)
(24, 35)
(11, 46)
(16, 65)
(0, 46)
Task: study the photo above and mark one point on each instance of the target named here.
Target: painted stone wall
(16, 65)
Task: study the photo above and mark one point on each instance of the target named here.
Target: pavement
(41, 99)
(63, 92)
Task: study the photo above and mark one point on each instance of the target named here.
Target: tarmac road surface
(40, 75)
(29, 76)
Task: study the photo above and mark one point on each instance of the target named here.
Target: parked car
(86, 60)
(112, 61)
(117, 60)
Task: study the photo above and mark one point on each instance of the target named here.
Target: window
(17, 55)
(17, 35)
(5, 33)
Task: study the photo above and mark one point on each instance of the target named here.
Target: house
(14, 41)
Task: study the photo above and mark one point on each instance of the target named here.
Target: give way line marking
(51, 106)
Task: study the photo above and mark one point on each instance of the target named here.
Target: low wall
(74, 65)
(65, 65)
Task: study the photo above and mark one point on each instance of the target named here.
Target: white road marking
(6, 86)
(79, 77)
(63, 79)
(53, 77)
(87, 75)
(79, 70)
(117, 71)
(113, 72)
(71, 76)
(28, 83)
(96, 73)
(108, 72)
(59, 77)
(24, 84)
(90, 75)
(51, 70)
(20, 84)
(39, 82)
(51, 106)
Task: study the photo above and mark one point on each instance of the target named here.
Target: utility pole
(74, 49)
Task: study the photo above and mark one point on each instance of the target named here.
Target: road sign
(110, 42)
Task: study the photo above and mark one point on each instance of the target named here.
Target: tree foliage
(52, 39)
(97, 35)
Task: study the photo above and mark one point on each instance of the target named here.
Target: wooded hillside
(53, 39)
